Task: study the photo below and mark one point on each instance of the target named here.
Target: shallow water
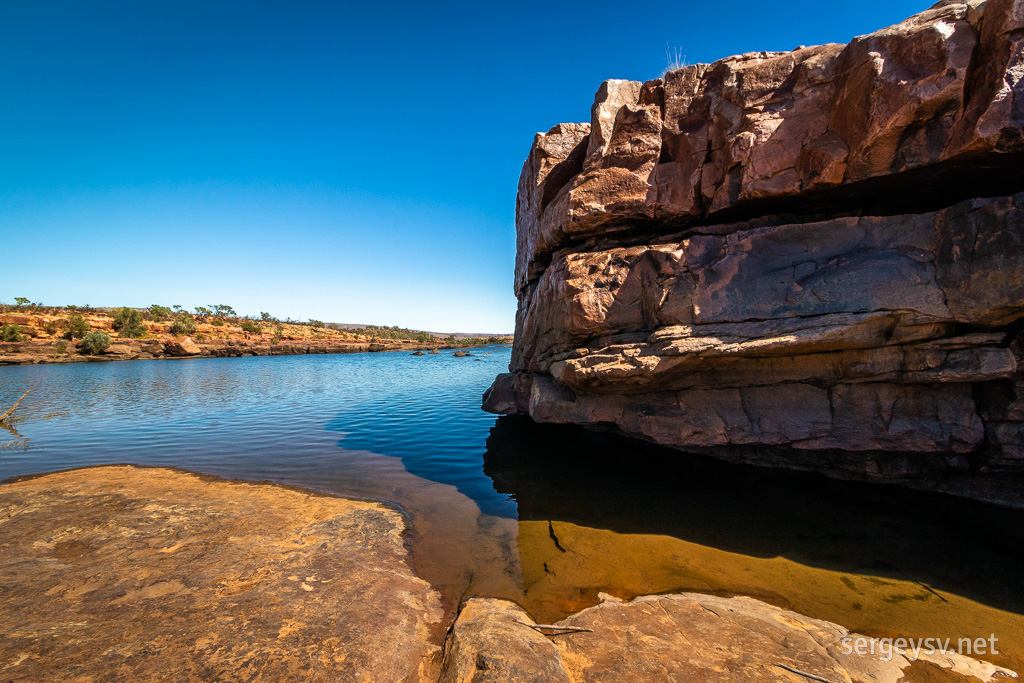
(546, 515)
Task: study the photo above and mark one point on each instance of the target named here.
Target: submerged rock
(150, 574)
(819, 250)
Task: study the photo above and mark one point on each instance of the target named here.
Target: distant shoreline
(46, 335)
(27, 353)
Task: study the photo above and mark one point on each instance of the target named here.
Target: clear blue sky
(352, 162)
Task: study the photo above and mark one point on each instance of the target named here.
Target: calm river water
(546, 515)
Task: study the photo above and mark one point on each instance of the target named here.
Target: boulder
(155, 348)
(494, 636)
(509, 394)
(123, 350)
(182, 347)
(680, 637)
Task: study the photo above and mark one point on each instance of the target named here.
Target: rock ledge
(810, 259)
(124, 573)
(681, 637)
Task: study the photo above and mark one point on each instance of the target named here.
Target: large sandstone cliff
(811, 258)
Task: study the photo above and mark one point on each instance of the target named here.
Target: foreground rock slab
(681, 637)
(123, 573)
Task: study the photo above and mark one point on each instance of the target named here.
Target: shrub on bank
(158, 312)
(10, 333)
(249, 327)
(94, 342)
(75, 326)
(183, 326)
(128, 322)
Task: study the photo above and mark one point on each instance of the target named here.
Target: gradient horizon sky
(351, 163)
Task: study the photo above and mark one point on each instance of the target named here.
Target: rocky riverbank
(154, 574)
(28, 353)
(40, 334)
(809, 259)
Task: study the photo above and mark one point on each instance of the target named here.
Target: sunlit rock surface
(121, 573)
(819, 251)
(681, 637)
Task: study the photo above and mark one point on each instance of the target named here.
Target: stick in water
(8, 413)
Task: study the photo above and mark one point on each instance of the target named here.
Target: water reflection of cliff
(670, 506)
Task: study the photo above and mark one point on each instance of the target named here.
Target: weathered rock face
(681, 637)
(182, 347)
(816, 250)
(123, 573)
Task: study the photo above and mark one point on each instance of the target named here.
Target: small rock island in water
(810, 260)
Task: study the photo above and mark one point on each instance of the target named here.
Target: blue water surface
(312, 420)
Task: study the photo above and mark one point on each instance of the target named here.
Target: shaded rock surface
(681, 637)
(818, 251)
(121, 573)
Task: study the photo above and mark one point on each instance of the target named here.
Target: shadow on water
(604, 481)
(437, 438)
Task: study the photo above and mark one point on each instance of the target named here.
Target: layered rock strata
(820, 252)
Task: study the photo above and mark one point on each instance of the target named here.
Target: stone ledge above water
(125, 573)
(681, 637)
